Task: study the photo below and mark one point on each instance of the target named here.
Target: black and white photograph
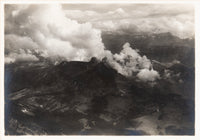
(111, 69)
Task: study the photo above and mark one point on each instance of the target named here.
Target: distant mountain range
(163, 47)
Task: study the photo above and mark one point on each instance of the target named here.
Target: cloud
(30, 27)
(129, 61)
(81, 16)
(14, 57)
(14, 43)
(177, 19)
(181, 26)
(147, 75)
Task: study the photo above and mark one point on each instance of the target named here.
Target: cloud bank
(177, 19)
(44, 29)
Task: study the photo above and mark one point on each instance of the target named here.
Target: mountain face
(91, 98)
(163, 47)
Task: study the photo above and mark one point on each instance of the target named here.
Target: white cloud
(129, 61)
(14, 42)
(46, 29)
(147, 75)
(152, 18)
(22, 56)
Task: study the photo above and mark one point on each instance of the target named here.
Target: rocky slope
(91, 98)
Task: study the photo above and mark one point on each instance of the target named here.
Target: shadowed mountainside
(79, 98)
